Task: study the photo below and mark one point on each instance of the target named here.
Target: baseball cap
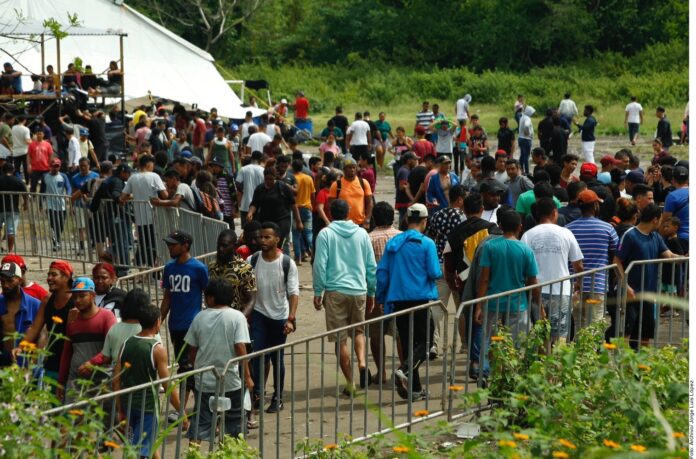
(197, 160)
(588, 169)
(608, 160)
(349, 162)
(62, 266)
(178, 237)
(283, 101)
(409, 155)
(680, 173)
(635, 177)
(186, 154)
(444, 159)
(491, 186)
(420, 130)
(56, 162)
(84, 131)
(12, 258)
(604, 178)
(501, 152)
(123, 168)
(234, 127)
(587, 197)
(83, 284)
(10, 270)
(417, 210)
(216, 162)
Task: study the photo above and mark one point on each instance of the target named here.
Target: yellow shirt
(353, 194)
(305, 188)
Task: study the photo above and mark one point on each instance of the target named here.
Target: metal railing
(55, 226)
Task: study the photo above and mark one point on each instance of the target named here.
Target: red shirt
(35, 290)
(301, 108)
(369, 175)
(199, 133)
(322, 198)
(423, 148)
(39, 155)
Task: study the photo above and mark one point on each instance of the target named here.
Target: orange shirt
(353, 194)
(305, 188)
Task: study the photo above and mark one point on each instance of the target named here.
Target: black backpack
(285, 262)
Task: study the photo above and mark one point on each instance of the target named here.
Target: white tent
(156, 61)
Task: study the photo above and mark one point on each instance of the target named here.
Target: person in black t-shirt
(506, 137)
(274, 201)
(416, 179)
(341, 122)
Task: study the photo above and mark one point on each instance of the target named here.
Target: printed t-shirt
(185, 282)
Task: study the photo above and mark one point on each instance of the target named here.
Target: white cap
(417, 210)
(283, 101)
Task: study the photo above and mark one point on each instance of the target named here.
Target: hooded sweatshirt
(344, 261)
(408, 270)
(526, 129)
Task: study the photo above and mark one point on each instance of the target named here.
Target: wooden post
(43, 55)
(123, 93)
(59, 86)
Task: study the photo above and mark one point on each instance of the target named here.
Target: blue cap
(234, 127)
(84, 131)
(604, 178)
(83, 284)
(186, 154)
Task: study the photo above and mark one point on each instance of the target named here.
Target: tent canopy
(157, 61)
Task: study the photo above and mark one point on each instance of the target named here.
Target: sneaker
(365, 378)
(474, 371)
(420, 395)
(401, 389)
(432, 355)
(275, 406)
(348, 391)
(173, 417)
(402, 374)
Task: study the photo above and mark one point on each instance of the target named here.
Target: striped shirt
(424, 118)
(596, 239)
(379, 238)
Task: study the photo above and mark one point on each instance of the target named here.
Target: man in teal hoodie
(344, 284)
(406, 277)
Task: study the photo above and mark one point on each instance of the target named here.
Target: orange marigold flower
(609, 346)
(400, 449)
(421, 413)
(508, 443)
(27, 346)
(560, 455)
(639, 448)
(520, 436)
(76, 412)
(566, 443)
(497, 338)
(592, 301)
(111, 444)
(331, 447)
(611, 444)
(644, 367)
(678, 435)
(57, 320)
(126, 365)
(454, 388)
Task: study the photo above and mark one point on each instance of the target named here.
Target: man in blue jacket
(406, 277)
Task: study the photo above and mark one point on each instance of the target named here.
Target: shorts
(376, 328)
(202, 421)
(143, 435)
(558, 310)
(11, 222)
(181, 355)
(359, 152)
(81, 217)
(343, 310)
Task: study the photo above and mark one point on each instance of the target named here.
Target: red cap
(607, 160)
(108, 267)
(588, 169)
(501, 152)
(62, 266)
(420, 130)
(16, 259)
(588, 196)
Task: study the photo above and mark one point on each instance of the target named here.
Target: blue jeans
(525, 150)
(265, 333)
(302, 240)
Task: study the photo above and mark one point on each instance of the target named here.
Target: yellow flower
(57, 320)
(111, 444)
(508, 443)
(331, 447)
(644, 367)
(560, 455)
(400, 449)
(27, 346)
(639, 448)
(456, 388)
(519, 436)
(566, 443)
(522, 398)
(592, 301)
(497, 338)
(76, 412)
(609, 346)
(421, 413)
(678, 435)
(611, 444)
(126, 365)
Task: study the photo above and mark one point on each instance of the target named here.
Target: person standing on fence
(642, 242)
(406, 277)
(184, 280)
(598, 242)
(81, 213)
(11, 188)
(142, 187)
(39, 153)
(218, 334)
(17, 309)
(344, 284)
(273, 317)
(143, 359)
(56, 184)
(554, 247)
(228, 265)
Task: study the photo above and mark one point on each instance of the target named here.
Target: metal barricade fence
(56, 226)
(653, 298)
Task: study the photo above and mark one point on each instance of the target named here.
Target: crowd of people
(492, 225)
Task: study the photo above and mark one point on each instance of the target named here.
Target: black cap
(123, 168)
(491, 186)
(680, 173)
(216, 162)
(178, 237)
(409, 155)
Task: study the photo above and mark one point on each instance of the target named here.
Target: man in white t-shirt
(257, 140)
(273, 317)
(633, 119)
(21, 138)
(142, 187)
(180, 192)
(567, 108)
(553, 248)
(461, 108)
(248, 178)
(359, 138)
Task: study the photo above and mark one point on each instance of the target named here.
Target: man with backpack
(273, 317)
(355, 191)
